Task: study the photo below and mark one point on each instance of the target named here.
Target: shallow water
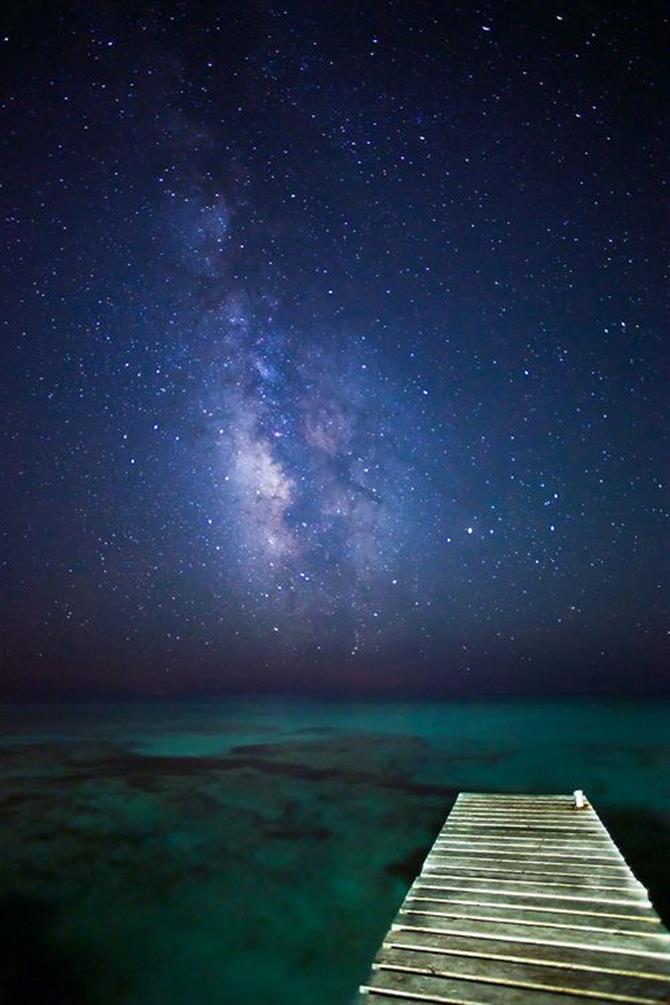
(254, 852)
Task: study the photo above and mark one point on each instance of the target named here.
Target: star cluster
(333, 347)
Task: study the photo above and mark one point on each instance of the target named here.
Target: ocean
(254, 851)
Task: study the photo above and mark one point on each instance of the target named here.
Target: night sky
(334, 348)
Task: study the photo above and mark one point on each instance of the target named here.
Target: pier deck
(523, 900)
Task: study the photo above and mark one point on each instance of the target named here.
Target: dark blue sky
(334, 348)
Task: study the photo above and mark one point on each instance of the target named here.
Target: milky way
(333, 348)
(313, 448)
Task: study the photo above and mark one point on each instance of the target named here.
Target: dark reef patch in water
(656, 755)
(298, 833)
(636, 833)
(265, 750)
(148, 772)
(34, 968)
(16, 800)
(409, 866)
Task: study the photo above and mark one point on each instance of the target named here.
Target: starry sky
(334, 348)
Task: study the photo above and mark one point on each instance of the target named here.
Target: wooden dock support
(523, 900)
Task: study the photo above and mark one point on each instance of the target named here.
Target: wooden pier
(523, 900)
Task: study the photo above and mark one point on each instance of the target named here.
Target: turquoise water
(254, 852)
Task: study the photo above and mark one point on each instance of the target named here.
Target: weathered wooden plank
(543, 872)
(638, 945)
(562, 821)
(623, 887)
(546, 975)
(589, 824)
(534, 893)
(463, 863)
(597, 841)
(565, 846)
(519, 819)
(598, 867)
(503, 878)
(521, 864)
(503, 851)
(529, 831)
(371, 996)
(587, 828)
(565, 809)
(480, 865)
(550, 866)
(531, 913)
(461, 945)
(555, 867)
(510, 848)
(539, 831)
(592, 842)
(564, 816)
(526, 830)
(526, 917)
(516, 797)
(552, 840)
(535, 841)
(492, 799)
(375, 996)
(490, 992)
(531, 811)
(593, 837)
(518, 866)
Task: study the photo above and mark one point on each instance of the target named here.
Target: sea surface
(255, 851)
